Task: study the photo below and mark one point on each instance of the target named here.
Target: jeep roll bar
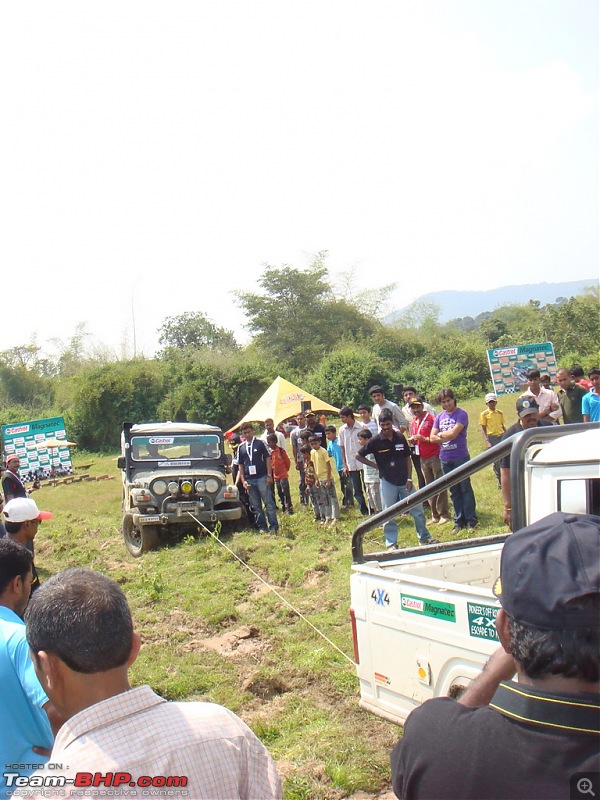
(517, 446)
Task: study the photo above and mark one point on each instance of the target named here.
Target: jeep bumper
(181, 516)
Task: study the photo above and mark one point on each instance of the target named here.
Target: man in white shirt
(350, 445)
(379, 403)
(270, 428)
(409, 393)
(82, 641)
(547, 400)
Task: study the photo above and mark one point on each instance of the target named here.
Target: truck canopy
(170, 428)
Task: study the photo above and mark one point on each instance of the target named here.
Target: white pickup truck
(423, 617)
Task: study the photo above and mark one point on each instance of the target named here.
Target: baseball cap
(415, 402)
(546, 565)
(23, 509)
(309, 413)
(526, 405)
(490, 396)
(12, 457)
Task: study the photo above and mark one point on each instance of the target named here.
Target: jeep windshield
(173, 448)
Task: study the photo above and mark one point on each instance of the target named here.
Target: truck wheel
(140, 539)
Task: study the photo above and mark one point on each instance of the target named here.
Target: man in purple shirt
(450, 432)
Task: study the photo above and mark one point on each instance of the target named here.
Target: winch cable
(272, 589)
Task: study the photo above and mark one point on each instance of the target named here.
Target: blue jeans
(390, 494)
(260, 493)
(355, 476)
(463, 499)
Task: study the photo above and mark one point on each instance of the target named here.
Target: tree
(343, 377)
(287, 319)
(25, 377)
(72, 353)
(371, 301)
(194, 329)
(574, 326)
(297, 317)
(107, 396)
(420, 315)
(212, 387)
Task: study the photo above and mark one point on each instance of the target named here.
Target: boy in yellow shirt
(492, 427)
(326, 494)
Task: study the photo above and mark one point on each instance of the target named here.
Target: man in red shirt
(281, 466)
(578, 376)
(420, 433)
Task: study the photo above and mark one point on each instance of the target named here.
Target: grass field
(212, 631)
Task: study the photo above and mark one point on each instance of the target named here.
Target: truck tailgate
(423, 625)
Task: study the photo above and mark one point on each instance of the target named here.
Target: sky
(156, 156)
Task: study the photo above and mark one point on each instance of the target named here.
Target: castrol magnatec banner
(509, 365)
(27, 440)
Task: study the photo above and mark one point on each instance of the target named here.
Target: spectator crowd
(381, 452)
(67, 645)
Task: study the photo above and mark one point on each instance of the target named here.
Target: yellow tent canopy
(282, 400)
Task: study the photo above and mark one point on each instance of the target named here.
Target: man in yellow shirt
(492, 427)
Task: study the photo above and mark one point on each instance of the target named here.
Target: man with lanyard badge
(256, 475)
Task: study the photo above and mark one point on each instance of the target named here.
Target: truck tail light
(354, 636)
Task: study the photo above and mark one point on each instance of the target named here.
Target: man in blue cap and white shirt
(536, 737)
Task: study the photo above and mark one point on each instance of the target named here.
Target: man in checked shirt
(82, 642)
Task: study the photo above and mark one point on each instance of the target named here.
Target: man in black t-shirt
(392, 456)
(315, 427)
(538, 737)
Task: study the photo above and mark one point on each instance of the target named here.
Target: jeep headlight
(141, 496)
(160, 487)
(212, 485)
(200, 486)
(173, 487)
(186, 487)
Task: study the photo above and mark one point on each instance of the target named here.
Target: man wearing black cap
(528, 412)
(536, 737)
(313, 426)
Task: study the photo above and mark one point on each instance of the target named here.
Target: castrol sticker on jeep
(428, 608)
(161, 440)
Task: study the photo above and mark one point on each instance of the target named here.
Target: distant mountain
(454, 304)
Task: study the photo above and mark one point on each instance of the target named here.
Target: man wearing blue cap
(536, 737)
(528, 413)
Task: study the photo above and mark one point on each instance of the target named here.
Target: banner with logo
(509, 365)
(28, 441)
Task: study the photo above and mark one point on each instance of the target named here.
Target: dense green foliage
(327, 339)
(194, 329)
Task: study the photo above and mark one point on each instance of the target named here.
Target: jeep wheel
(229, 526)
(140, 539)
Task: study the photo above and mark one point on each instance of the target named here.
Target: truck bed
(424, 625)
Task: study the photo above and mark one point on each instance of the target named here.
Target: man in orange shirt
(281, 466)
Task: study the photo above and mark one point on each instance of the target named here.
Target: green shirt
(570, 402)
